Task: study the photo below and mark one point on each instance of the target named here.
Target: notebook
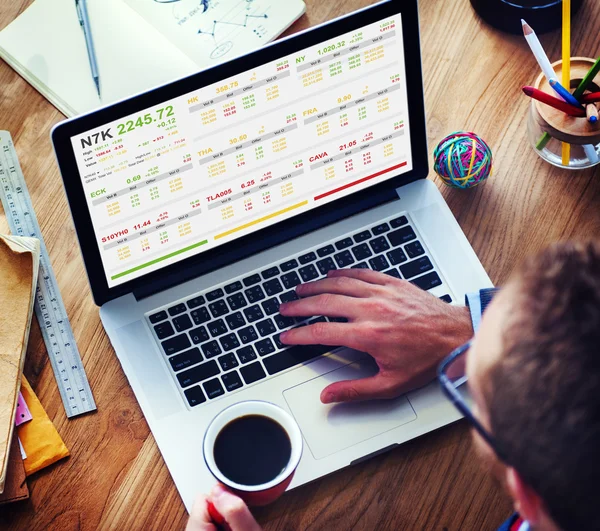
(139, 43)
(19, 262)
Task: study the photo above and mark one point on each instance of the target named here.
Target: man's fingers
(366, 275)
(380, 386)
(330, 334)
(325, 304)
(233, 509)
(374, 387)
(340, 285)
(199, 518)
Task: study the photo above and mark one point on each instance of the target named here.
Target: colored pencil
(564, 93)
(546, 98)
(538, 51)
(592, 113)
(592, 97)
(566, 68)
(589, 77)
(591, 153)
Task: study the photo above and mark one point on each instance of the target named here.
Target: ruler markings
(50, 310)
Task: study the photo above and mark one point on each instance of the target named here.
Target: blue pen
(564, 93)
(84, 20)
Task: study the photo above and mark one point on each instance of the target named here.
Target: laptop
(200, 206)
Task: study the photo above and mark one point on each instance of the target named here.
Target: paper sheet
(46, 45)
(23, 454)
(213, 31)
(23, 414)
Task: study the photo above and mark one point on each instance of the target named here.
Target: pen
(564, 93)
(539, 95)
(84, 20)
(219, 522)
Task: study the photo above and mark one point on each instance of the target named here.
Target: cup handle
(217, 518)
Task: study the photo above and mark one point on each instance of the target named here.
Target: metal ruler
(49, 308)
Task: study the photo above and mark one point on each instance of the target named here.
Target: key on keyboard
(195, 396)
(195, 302)
(416, 267)
(248, 334)
(199, 335)
(198, 373)
(176, 344)
(213, 388)
(325, 265)
(232, 288)
(200, 316)
(164, 330)
(214, 295)
(289, 265)
(253, 372)
(160, 316)
(232, 381)
(271, 306)
(185, 359)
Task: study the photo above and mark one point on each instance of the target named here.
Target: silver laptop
(201, 205)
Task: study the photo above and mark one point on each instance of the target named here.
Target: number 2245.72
(147, 119)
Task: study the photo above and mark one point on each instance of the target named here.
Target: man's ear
(527, 502)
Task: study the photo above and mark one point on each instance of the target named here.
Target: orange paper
(41, 442)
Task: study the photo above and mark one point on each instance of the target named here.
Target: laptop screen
(210, 166)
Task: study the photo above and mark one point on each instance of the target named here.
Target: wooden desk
(116, 479)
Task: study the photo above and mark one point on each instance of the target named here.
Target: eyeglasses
(453, 379)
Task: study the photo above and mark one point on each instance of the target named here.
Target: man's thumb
(374, 387)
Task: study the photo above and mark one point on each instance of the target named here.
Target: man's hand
(407, 331)
(233, 509)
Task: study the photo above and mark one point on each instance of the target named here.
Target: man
(533, 372)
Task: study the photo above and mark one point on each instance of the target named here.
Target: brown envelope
(19, 260)
(15, 488)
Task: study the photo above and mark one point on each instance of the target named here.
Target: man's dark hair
(545, 391)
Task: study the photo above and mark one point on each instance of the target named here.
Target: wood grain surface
(115, 477)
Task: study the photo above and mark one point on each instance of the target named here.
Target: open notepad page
(137, 47)
(46, 45)
(213, 31)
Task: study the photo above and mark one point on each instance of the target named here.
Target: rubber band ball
(463, 160)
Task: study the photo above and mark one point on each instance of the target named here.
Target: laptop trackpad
(329, 428)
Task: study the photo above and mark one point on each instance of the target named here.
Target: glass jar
(548, 128)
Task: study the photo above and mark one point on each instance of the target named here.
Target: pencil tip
(527, 29)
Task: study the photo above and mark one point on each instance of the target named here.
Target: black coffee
(252, 450)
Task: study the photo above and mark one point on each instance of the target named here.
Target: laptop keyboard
(226, 338)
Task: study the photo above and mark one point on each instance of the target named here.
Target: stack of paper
(19, 262)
